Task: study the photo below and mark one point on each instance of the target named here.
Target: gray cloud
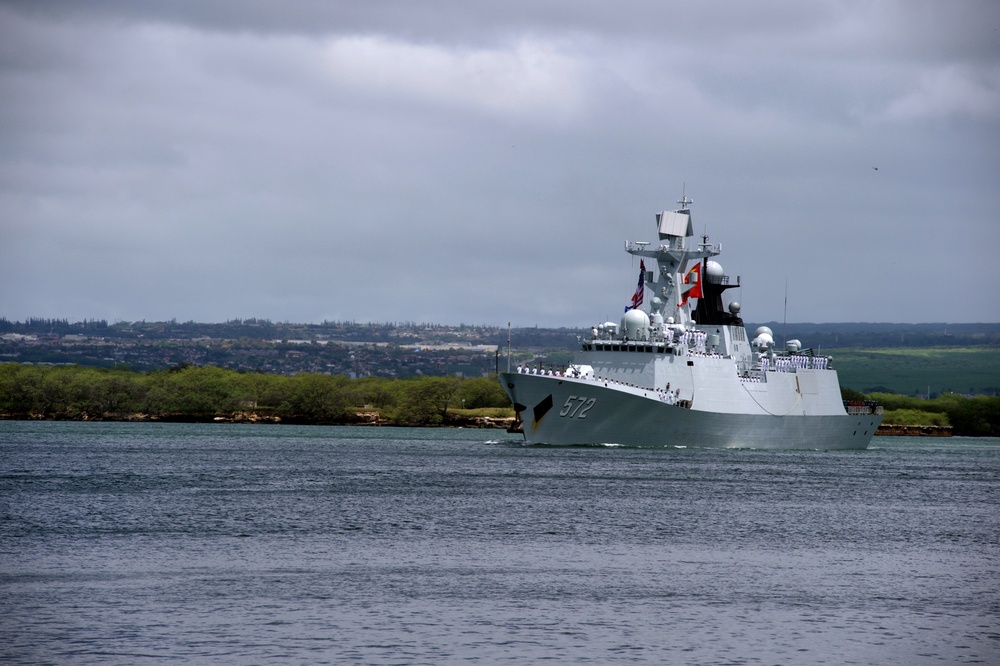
(474, 164)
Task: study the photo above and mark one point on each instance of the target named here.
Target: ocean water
(170, 543)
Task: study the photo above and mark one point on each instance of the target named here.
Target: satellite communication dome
(763, 329)
(793, 345)
(734, 307)
(714, 268)
(763, 341)
(635, 325)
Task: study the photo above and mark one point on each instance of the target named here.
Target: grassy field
(909, 370)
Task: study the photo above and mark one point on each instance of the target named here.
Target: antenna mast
(784, 319)
(684, 201)
(508, 346)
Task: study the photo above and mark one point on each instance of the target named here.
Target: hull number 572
(577, 406)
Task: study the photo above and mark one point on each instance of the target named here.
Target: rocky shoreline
(377, 420)
(359, 419)
(893, 430)
(374, 419)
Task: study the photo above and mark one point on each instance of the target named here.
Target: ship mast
(672, 256)
(684, 201)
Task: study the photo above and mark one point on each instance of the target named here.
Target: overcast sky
(484, 162)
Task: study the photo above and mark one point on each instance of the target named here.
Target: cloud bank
(455, 163)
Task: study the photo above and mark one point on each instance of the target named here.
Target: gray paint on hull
(637, 417)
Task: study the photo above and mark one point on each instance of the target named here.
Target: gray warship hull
(565, 411)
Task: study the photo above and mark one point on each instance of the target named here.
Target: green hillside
(911, 370)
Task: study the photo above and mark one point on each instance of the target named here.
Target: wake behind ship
(684, 372)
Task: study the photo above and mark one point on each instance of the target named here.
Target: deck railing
(862, 407)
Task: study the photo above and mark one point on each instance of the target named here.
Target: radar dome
(635, 325)
(763, 341)
(714, 268)
(793, 345)
(762, 330)
(734, 307)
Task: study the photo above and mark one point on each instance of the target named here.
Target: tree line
(207, 392)
(204, 393)
(977, 416)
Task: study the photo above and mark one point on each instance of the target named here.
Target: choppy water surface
(139, 543)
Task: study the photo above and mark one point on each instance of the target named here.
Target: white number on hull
(573, 405)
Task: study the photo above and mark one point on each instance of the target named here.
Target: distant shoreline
(373, 420)
(360, 419)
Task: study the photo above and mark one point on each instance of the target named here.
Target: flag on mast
(640, 289)
(693, 276)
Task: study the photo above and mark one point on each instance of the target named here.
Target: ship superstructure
(684, 372)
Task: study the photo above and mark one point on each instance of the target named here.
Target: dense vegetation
(204, 393)
(977, 416)
(972, 417)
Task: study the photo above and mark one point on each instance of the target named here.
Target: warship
(683, 371)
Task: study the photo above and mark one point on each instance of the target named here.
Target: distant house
(18, 337)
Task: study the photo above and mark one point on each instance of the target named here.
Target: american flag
(639, 289)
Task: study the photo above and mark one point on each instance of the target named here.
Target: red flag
(695, 291)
